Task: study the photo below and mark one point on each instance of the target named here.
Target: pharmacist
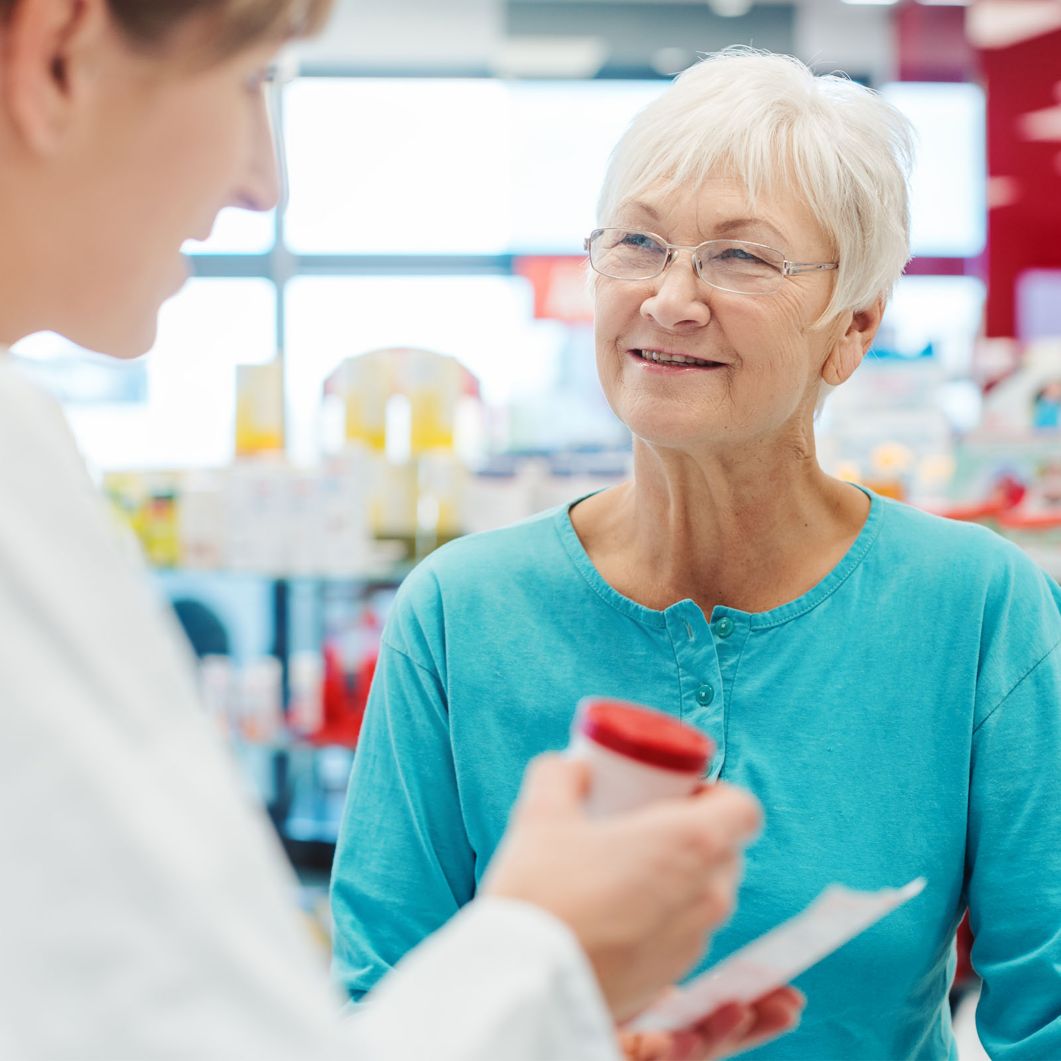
(145, 909)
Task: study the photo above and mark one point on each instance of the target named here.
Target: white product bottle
(636, 754)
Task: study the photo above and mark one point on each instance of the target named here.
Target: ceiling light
(730, 8)
(554, 57)
(670, 61)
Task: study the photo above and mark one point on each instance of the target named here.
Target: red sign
(562, 288)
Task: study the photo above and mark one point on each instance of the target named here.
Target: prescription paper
(775, 959)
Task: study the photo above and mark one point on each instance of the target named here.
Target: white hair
(769, 122)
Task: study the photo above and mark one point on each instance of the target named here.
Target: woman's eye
(639, 240)
(737, 254)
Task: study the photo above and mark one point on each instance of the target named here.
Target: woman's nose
(260, 186)
(679, 301)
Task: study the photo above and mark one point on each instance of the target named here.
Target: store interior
(402, 352)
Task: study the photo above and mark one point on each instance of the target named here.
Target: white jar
(636, 754)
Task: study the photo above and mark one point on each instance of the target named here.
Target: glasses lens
(627, 255)
(745, 267)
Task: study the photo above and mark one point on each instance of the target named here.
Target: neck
(35, 272)
(751, 531)
(27, 280)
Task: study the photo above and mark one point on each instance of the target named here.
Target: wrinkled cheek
(780, 376)
(609, 360)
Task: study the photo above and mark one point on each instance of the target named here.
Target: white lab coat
(146, 910)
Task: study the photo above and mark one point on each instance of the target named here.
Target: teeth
(672, 359)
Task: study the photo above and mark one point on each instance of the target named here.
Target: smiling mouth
(678, 360)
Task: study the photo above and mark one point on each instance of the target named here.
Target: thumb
(552, 785)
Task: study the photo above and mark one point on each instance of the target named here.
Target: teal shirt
(900, 719)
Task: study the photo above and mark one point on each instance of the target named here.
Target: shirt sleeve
(1014, 867)
(403, 865)
(516, 975)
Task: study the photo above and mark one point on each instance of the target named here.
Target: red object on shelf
(349, 667)
(1007, 494)
(1018, 520)
(972, 512)
(560, 289)
(342, 709)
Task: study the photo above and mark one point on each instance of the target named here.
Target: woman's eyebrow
(737, 224)
(724, 228)
(640, 207)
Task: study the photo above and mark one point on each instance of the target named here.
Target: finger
(737, 802)
(553, 784)
(775, 1015)
(718, 1035)
(714, 823)
(630, 1044)
(647, 1046)
(788, 994)
(737, 1027)
(708, 827)
(717, 907)
(715, 899)
(729, 1024)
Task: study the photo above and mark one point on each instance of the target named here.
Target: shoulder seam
(1049, 652)
(384, 640)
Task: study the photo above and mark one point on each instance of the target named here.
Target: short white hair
(769, 122)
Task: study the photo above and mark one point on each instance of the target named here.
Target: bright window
(450, 166)
(237, 232)
(948, 188)
(563, 133)
(943, 312)
(397, 166)
(187, 418)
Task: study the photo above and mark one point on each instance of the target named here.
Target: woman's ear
(848, 351)
(47, 52)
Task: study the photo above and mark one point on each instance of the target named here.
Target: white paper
(778, 957)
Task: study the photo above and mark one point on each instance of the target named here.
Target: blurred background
(403, 352)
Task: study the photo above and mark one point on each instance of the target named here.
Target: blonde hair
(769, 122)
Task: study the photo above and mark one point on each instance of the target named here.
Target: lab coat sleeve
(1014, 867)
(516, 975)
(145, 908)
(403, 865)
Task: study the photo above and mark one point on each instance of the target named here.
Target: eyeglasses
(727, 264)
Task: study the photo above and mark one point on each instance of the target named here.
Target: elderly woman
(886, 682)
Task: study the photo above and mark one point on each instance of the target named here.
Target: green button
(724, 626)
(704, 695)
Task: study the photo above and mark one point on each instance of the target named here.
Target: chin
(122, 340)
(134, 344)
(666, 430)
(689, 442)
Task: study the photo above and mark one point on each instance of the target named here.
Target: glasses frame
(788, 268)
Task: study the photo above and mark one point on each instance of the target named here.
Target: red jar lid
(645, 735)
